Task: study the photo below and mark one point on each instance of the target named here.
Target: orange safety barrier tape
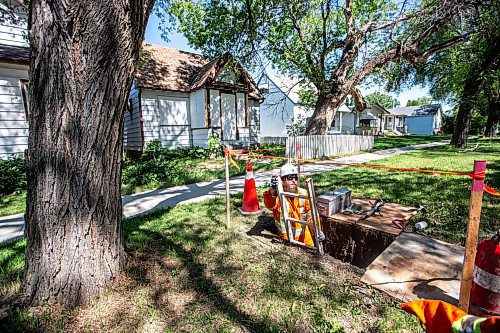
(477, 176)
(244, 151)
(233, 162)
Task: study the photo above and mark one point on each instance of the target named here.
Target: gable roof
(169, 69)
(14, 54)
(416, 111)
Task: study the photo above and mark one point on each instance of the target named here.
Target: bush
(158, 165)
(13, 175)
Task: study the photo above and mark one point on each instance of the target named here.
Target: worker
(298, 208)
(441, 317)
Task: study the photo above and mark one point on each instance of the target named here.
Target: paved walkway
(12, 227)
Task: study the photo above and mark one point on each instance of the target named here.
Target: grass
(187, 273)
(13, 203)
(445, 197)
(407, 140)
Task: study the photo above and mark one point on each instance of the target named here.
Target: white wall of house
(14, 32)
(13, 120)
(132, 133)
(180, 119)
(276, 111)
(166, 117)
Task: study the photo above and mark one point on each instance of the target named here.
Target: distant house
(281, 104)
(181, 98)
(14, 63)
(420, 120)
(371, 121)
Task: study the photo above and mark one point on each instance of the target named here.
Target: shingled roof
(14, 54)
(163, 68)
(416, 111)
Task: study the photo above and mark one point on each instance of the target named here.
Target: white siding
(155, 123)
(197, 108)
(132, 136)
(228, 104)
(275, 112)
(14, 32)
(215, 108)
(13, 122)
(240, 110)
(200, 137)
(254, 121)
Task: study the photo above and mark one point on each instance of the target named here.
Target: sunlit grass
(187, 273)
(407, 140)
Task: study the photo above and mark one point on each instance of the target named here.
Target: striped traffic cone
(250, 199)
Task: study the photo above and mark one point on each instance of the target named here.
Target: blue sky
(178, 41)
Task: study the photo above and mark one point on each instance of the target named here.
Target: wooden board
(390, 212)
(418, 267)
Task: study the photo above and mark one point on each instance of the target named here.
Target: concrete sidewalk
(12, 227)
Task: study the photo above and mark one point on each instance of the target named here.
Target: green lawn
(187, 273)
(446, 197)
(407, 140)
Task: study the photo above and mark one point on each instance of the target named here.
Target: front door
(228, 106)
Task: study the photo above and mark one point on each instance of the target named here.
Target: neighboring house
(14, 62)
(369, 122)
(344, 121)
(281, 105)
(182, 98)
(421, 120)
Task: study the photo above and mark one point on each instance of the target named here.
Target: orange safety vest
(299, 209)
(442, 317)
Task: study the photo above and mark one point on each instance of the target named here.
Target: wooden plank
(417, 267)
(476, 201)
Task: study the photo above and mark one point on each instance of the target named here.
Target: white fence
(317, 146)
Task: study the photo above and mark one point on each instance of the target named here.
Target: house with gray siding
(182, 98)
(14, 63)
(420, 120)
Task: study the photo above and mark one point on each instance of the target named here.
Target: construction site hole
(353, 243)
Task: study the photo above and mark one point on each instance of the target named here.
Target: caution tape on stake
(476, 176)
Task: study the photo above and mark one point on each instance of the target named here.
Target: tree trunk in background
(493, 119)
(81, 69)
(324, 113)
(472, 87)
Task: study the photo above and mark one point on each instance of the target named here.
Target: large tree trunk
(81, 69)
(464, 115)
(493, 119)
(324, 113)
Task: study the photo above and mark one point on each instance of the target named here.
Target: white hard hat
(288, 169)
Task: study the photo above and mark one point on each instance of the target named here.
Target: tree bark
(81, 69)
(493, 119)
(472, 87)
(324, 112)
(489, 60)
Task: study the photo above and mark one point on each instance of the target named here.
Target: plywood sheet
(418, 267)
(390, 212)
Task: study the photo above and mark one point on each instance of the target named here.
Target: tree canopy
(385, 100)
(419, 101)
(333, 45)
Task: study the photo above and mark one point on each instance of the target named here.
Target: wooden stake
(476, 201)
(298, 160)
(228, 197)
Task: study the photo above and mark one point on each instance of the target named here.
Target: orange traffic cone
(250, 199)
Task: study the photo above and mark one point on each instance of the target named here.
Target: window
(24, 84)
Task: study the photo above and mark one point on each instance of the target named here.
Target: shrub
(13, 175)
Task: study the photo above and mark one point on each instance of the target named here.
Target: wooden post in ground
(298, 160)
(476, 200)
(228, 197)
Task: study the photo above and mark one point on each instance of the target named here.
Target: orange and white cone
(250, 199)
